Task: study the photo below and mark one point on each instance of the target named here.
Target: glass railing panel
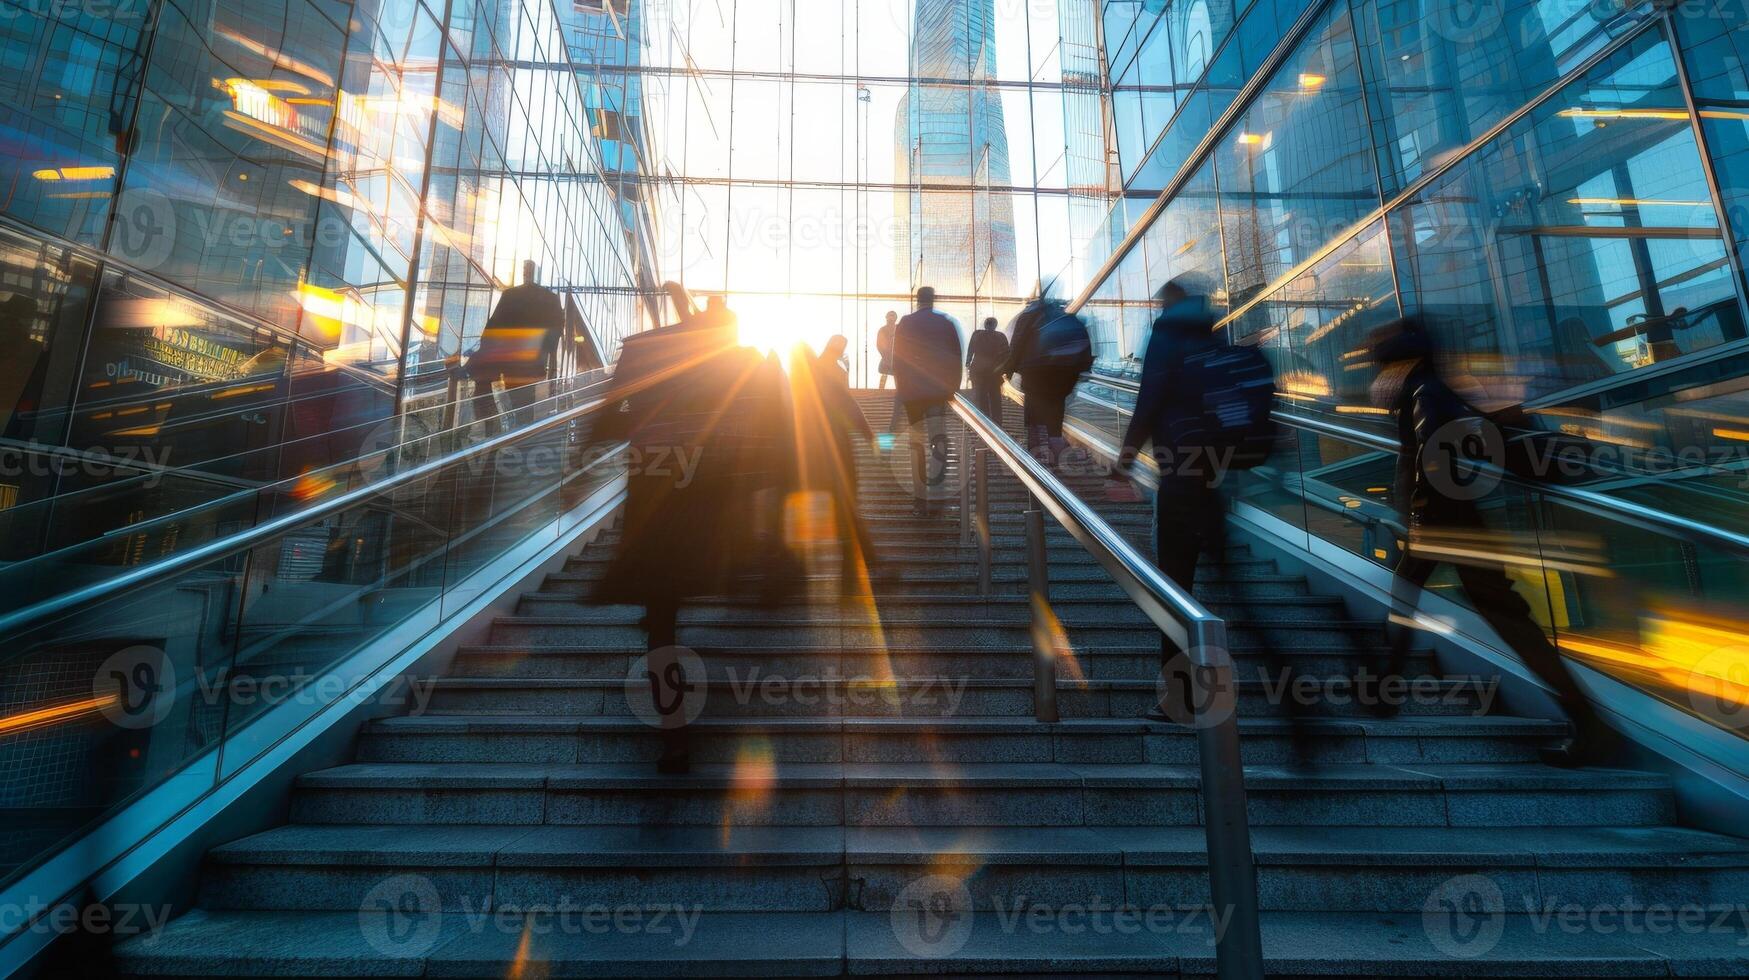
(319, 595)
(102, 705)
(180, 678)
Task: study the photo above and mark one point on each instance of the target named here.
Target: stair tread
(488, 775)
(614, 846)
(1402, 727)
(833, 943)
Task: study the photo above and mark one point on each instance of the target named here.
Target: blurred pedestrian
(926, 374)
(1050, 351)
(519, 347)
(1184, 371)
(986, 352)
(708, 425)
(1439, 477)
(826, 418)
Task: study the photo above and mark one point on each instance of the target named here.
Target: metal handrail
(1198, 632)
(1602, 504)
(13, 622)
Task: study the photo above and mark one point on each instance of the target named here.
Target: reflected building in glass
(949, 132)
(238, 236)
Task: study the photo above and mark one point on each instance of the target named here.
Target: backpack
(1062, 342)
(1238, 395)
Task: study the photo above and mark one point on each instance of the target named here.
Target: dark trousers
(661, 626)
(1190, 521)
(485, 406)
(1047, 397)
(928, 447)
(987, 397)
(1492, 595)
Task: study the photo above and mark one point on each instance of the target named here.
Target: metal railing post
(1044, 647)
(1232, 873)
(965, 463)
(981, 477)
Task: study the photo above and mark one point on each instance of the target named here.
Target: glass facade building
(234, 235)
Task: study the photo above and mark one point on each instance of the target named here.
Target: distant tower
(949, 132)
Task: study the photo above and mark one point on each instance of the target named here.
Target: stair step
(959, 739)
(1071, 610)
(796, 869)
(1013, 660)
(758, 792)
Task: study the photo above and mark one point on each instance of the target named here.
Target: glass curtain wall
(822, 160)
(234, 236)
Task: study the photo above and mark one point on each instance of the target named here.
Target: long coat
(709, 463)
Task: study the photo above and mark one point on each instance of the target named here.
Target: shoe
(1568, 753)
(1158, 717)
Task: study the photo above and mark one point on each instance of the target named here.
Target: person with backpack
(926, 373)
(1050, 351)
(1205, 407)
(1440, 476)
(985, 354)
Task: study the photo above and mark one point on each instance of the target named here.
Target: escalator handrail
(1616, 508)
(12, 623)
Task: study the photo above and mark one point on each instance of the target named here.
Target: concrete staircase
(872, 795)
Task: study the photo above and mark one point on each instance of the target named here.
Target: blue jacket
(926, 357)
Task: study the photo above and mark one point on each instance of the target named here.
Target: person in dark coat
(826, 418)
(985, 354)
(520, 346)
(1047, 381)
(926, 374)
(1436, 490)
(1190, 513)
(709, 464)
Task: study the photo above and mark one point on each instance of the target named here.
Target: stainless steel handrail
(1203, 638)
(13, 622)
(1601, 504)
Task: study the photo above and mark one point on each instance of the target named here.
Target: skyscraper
(950, 149)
